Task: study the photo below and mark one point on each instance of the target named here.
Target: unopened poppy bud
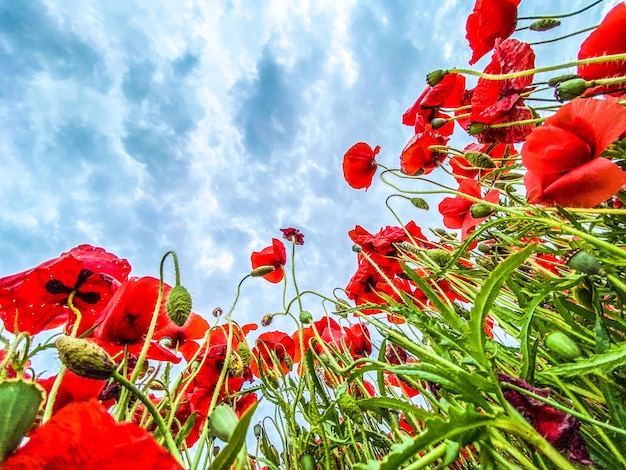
(306, 317)
(476, 128)
(156, 385)
(439, 256)
(307, 462)
(288, 361)
(244, 353)
(222, 422)
(262, 271)
(570, 89)
(554, 81)
(419, 203)
(271, 378)
(441, 233)
(584, 262)
(258, 431)
(341, 306)
(544, 24)
(178, 305)
(478, 211)
(438, 123)
(217, 311)
(356, 248)
(350, 408)
(235, 365)
(435, 76)
(479, 160)
(267, 319)
(562, 345)
(85, 358)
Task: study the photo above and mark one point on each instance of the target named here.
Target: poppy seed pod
(584, 262)
(554, 81)
(179, 305)
(476, 128)
(570, 89)
(435, 76)
(438, 123)
(478, 211)
(562, 345)
(222, 422)
(85, 358)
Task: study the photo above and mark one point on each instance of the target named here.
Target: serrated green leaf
(236, 443)
(387, 403)
(600, 363)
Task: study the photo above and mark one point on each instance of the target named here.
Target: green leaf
(236, 443)
(186, 429)
(600, 363)
(385, 404)
(487, 296)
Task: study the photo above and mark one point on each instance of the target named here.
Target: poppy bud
(570, 89)
(478, 211)
(244, 353)
(178, 305)
(419, 203)
(235, 365)
(288, 361)
(258, 430)
(438, 123)
(217, 311)
(479, 160)
(85, 358)
(356, 248)
(262, 271)
(562, 345)
(544, 24)
(306, 317)
(476, 128)
(307, 462)
(584, 262)
(554, 81)
(439, 256)
(435, 77)
(267, 319)
(222, 422)
(350, 408)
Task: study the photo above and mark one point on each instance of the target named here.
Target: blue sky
(204, 127)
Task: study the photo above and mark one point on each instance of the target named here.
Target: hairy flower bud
(544, 24)
(350, 408)
(584, 262)
(85, 358)
(178, 305)
(244, 353)
(217, 311)
(419, 203)
(435, 76)
(476, 128)
(262, 271)
(562, 345)
(267, 319)
(222, 422)
(439, 256)
(356, 248)
(479, 211)
(305, 317)
(554, 81)
(235, 365)
(479, 160)
(438, 123)
(570, 89)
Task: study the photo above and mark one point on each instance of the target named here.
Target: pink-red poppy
(273, 348)
(456, 210)
(359, 165)
(609, 38)
(84, 435)
(489, 21)
(36, 300)
(462, 169)
(275, 256)
(563, 155)
(182, 338)
(416, 155)
(293, 235)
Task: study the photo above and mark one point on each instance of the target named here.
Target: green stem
(562, 15)
(565, 36)
(429, 458)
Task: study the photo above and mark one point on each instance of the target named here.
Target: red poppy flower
(490, 20)
(84, 435)
(73, 389)
(273, 348)
(416, 154)
(274, 255)
(456, 211)
(462, 169)
(181, 338)
(293, 234)
(358, 165)
(360, 341)
(607, 39)
(497, 101)
(127, 317)
(563, 155)
(36, 299)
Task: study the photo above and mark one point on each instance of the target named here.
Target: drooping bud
(570, 89)
(178, 305)
(85, 358)
(419, 203)
(262, 271)
(356, 248)
(350, 408)
(584, 262)
(438, 123)
(439, 256)
(258, 430)
(435, 76)
(476, 128)
(244, 353)
(478, 211)
(562, 345)
(544, 24)
(222, 422)
(306, 317)
(267, 319)
(480, 160)
(288, 361)
(441, 233)
(217, 311)
(341, 306)
(235, 365)
(554, 81)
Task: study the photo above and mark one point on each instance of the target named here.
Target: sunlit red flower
(73, 389)
(84, 435)
(273, 348)
(497, 101)
(182, 338)
(274, 255)
(490, 20)
(416, 155)
(293, 234)
(563, 155)
(359, 165)
(36, 299)
(463, 169)
(456, 211)
(360, 341)
(607, 39)
(128, 315)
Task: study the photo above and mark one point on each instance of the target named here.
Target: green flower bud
(440, 256)
(584, 262)
(435, 77)
(350, 408)
(244, 353)
(288, 361)
(235, 365)
(562, 345)
(479, 160)
(419, 203)
(85, 358)
(306, 317)
(554, 81)
(307, 462)
(544, 24)
(356, 248)
(262, 271)
(222, 422)
(438, 123)
(178, 305)
(570, 89)
(266, 320)
(476, 128)
(478, 211)
(217, 311)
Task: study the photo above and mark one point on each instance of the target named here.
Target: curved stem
(563, 15)
(565, 36)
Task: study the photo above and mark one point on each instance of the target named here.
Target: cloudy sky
(205, 126)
